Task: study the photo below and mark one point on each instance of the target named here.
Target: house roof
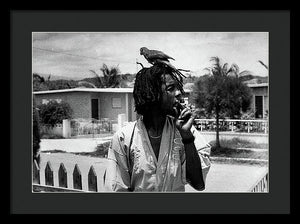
(253, 85)
(93, 90)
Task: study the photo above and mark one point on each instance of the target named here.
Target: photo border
(23, 23)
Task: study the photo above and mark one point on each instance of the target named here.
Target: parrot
(155, 56)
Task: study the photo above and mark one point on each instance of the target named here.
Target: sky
(73, 55)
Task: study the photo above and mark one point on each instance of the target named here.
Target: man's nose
(178, 95)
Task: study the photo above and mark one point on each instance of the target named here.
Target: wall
(261, 91)
(80, 102)
(106, 105)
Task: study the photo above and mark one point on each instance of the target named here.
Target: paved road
(221, 177)
(231, 177)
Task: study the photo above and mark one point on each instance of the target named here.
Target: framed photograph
(248, 170)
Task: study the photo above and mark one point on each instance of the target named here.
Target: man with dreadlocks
(160, 151)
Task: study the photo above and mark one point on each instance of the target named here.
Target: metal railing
(81, 127)
(233, 125)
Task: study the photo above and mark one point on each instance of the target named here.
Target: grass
(236, 143)
(230, 149)
(238, 153)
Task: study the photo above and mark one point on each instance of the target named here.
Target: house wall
(261, 91)
(80, 102)
(106, 105)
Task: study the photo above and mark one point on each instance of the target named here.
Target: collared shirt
(140, 170)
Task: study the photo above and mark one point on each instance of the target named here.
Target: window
(116, 103)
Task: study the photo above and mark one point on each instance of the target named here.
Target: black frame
(23, 23)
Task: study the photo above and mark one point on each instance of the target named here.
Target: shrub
(51, 136)
(54, 113)
(102, 149)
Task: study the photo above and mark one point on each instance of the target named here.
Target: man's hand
(184, 122)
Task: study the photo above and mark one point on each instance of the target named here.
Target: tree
(39, 83)
(221, 93)
(110, 78)
(54, 113)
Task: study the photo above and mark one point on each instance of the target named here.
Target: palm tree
(82, 83)
(222, 92)
(234, 69)
(110, 78)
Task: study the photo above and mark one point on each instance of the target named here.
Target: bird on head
(158, 57)
(153, 55)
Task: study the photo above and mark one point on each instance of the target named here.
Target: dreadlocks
(147, 87)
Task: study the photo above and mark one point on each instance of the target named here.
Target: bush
(102, 149)
(54, 113)
(51, 136)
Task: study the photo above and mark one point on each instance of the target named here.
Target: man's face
(170, 96)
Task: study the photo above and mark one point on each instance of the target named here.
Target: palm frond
(88, 83)
(263, 64)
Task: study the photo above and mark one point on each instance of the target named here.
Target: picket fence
(260, 186)
(62, 179)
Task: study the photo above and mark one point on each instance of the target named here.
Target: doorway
(258, 107)
(95, 109)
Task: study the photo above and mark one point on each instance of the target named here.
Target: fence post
(265, 127)
(121, 120)
(66, 128)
